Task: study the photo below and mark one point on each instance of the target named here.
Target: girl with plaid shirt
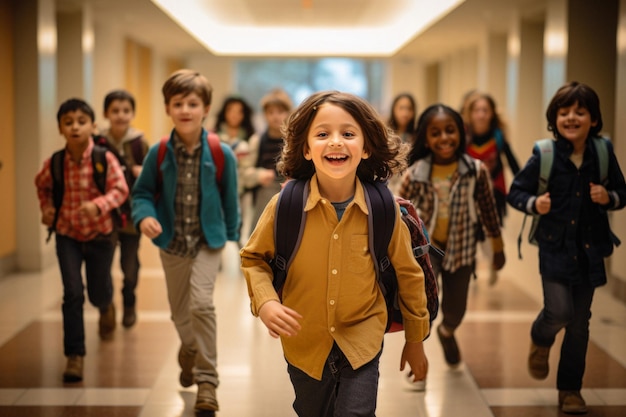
(453, 195)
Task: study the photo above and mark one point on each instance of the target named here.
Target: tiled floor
(136, 374)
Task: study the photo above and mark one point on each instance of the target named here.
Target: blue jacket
(575, 227)
(220, 222)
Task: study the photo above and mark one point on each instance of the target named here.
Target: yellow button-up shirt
(332, 283)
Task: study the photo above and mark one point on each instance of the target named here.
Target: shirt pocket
(359, 259)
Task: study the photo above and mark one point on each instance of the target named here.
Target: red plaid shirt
(80, 187)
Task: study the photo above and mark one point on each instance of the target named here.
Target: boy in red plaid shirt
(84, 229)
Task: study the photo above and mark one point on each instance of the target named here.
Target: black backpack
(289, 226)
(120, 214)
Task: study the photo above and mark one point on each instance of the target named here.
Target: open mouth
(336, 159)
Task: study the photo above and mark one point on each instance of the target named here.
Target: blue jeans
(565, 306)
(129, 263)
(342, 392)
(97, 255)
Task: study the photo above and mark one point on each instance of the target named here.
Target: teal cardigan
(219, 222)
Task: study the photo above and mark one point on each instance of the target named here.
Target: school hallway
(136, 373)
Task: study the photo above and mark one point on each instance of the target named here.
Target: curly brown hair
(386, 150)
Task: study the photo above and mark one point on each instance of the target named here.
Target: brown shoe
(571, 402)
(74, 369)
(106, 324)
(186, 360)
(206, 399)
(130, 317)
(538, 366)
(450, 347)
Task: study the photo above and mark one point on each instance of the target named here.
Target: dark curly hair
(386, 150)
(246, 123)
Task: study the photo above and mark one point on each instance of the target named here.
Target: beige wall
(7, 144)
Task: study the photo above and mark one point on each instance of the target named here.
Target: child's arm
(144, 192)
(413, 353)
(264, 301)
(43, 182)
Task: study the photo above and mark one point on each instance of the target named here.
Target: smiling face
(77, 127)
(335, 145)
(443, 138)
(574, 123)
(187, 113)
(120, 113)
(403, 113)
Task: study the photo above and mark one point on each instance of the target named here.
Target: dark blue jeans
(342, 392)
(565, 306)
(97, 255)
(129, 263)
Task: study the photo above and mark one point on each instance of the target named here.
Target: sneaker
(74, 369)
(130, 317)
(538, 361)
(186, 360)
(206, 399)
(106, 324)
(450, 348)
(571, 402)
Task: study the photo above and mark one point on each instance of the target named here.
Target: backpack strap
(602, 151)
(57, 163)
(499, 140)
(290, 217)
(216, 151)
(546, 159)
(381, 206)
(99, 164)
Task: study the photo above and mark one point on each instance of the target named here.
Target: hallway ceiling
(463, 25)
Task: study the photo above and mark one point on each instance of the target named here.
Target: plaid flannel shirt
(462, 238)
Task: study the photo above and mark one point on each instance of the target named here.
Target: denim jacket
(575, 228)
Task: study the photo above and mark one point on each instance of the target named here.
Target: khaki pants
(190, 286)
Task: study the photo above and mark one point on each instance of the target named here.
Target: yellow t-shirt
(441, 178)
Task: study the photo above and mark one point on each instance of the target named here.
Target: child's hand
(598, 194)
(498, 260)
(136, 170)
(266, 177)
(279, 320)
(542, 203)
(47, 216)
(413, 353)
(89, 209)
(150, 227)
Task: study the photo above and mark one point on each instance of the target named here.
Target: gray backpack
(546, 153)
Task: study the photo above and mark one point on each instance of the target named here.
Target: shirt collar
(315, 196)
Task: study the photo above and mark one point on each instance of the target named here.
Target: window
(302, 77)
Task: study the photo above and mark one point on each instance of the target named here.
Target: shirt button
(335, 236)
(573, 221)
(187, 220)
(189, 161)
(334, 272)
(323, 201)
(332, 329)
(332, 302)
(586, 245)
(189, 175)
(189, 197)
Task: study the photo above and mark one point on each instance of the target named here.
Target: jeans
(454, 288)
(129, 262)
(97, 255)
(569, 307)
(342, 392)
